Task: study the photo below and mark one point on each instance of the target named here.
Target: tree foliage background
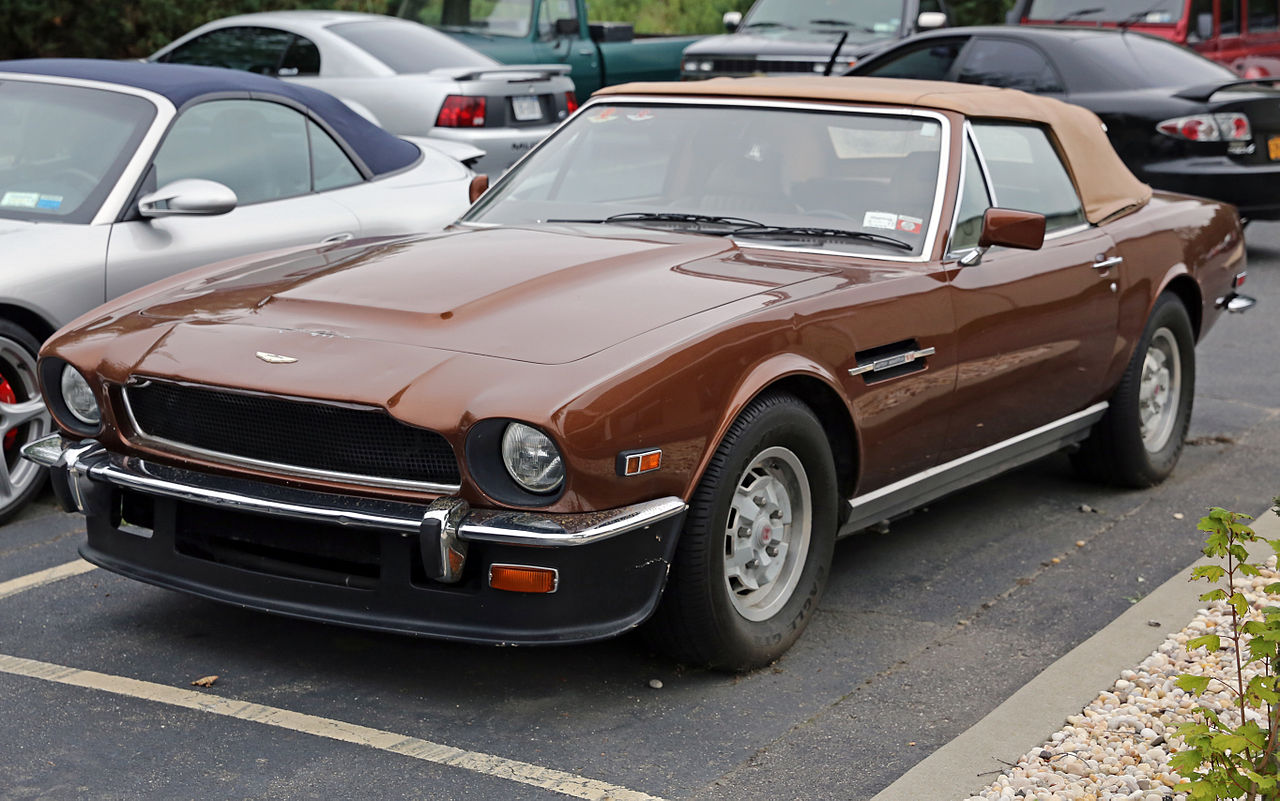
(137, 28)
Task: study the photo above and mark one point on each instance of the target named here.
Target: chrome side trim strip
(88, 462)
(903, 496)
(896, 360)
(182, 449)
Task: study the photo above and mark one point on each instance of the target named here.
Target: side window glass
(251, 49)
(1262, 16)
(931, 5)
(256, 148)
(1026, 173)
(302, 58)
(550, 12)
(997, 62)
(974, 201)
(1229, 25)
(330, 167)
(931, 61)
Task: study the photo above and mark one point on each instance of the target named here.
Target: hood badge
(275, 358)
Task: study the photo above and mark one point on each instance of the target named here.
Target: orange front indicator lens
(523, 578)
(637, 462)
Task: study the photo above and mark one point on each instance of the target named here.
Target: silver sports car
(414, 81)
(115, 174)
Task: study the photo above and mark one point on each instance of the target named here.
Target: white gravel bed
(1119, 746)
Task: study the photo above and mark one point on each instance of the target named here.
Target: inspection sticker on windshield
(604, 115)
(20, 200)
(880, 219)
(49, 202)
(641, 116)
(910, 225)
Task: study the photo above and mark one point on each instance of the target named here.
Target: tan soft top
(1105, 184)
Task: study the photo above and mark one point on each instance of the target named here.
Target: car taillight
(1231, 127)
(571, 102)
(460, 111)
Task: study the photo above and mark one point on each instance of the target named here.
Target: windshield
(738, 171)
(1134, 11)
(407, 47)
(62, 148)
(493, 17)
(866, 16)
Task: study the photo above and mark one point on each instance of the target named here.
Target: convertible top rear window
(868, 173)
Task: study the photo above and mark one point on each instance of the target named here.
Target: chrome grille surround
(414, 458)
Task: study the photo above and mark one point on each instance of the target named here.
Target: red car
(1242, 34)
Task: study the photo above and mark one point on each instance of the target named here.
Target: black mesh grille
(315, 436)
(750, 66)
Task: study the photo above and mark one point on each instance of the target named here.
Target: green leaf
(1211, 642)
(1210, 573)
(1249, 569)
(1239, 603)
(1230, 742)
(1192, 684)
(1214, 595)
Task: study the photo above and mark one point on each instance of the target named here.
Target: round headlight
(531, 458)
(78, 397)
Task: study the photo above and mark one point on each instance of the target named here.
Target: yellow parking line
(42, 577)
(510, 769)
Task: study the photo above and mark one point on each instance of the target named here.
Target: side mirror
(566, 27)
(931, 20)
(732, 19)
(1007, 228)
(189, 196)
(1204, 26)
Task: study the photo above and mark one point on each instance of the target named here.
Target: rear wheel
(1138, 441)
(756, 548)
(23, 418)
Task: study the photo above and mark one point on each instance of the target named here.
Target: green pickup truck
(557, 32)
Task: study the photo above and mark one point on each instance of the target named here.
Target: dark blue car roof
(380, 151)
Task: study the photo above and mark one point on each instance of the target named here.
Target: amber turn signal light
(633, 463)
(523, 578)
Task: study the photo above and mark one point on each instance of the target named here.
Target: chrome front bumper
(88, 461)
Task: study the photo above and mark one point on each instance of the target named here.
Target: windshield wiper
(767, 24)
(731, 224)
(797, 232)
(842, 23)
(1138, 16)
(1079, 12)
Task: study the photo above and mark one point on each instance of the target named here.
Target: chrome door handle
(336, 238)
(1103, 263)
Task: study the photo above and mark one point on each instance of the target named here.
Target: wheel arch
(31, 322)
(817, 389)
(1185, 288)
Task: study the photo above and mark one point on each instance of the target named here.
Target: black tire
(705, 615)
(1119, 450)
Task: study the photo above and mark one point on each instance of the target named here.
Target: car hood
(10, 227)
(788, 43)
(548, 295)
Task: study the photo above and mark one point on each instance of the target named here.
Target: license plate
(1273, 148)
(526, 108)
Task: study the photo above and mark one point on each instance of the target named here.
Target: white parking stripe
(522, 772)
(40, 578)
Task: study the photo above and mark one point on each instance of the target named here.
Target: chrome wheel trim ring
(27, 414)
(767, 533)
(1159, 390)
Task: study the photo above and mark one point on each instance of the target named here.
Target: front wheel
(1139, 439)
(756, 548)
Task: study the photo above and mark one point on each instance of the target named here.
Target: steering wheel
(76, 178)
(839, 215)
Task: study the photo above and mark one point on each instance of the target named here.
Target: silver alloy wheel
(27, 415)
(766, 538)
(1159, 390)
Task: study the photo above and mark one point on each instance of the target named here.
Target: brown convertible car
(652, 375)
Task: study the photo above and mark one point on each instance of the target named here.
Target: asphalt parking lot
(922, 632)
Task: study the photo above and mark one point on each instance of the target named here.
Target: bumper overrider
(415, 568)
